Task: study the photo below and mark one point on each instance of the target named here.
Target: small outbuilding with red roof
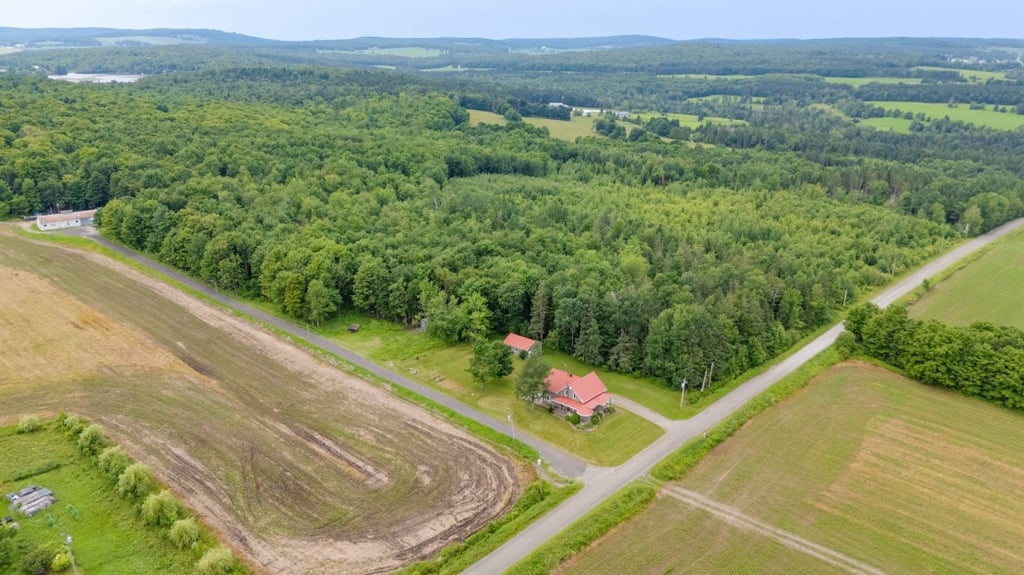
(522, 344)
(583, 396)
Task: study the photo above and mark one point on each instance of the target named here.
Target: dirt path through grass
(737, 518)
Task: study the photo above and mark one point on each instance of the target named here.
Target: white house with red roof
(522, 344)
(583, 396)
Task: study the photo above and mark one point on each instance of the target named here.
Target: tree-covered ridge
(324, 191)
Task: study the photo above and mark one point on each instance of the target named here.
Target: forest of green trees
(324, 190)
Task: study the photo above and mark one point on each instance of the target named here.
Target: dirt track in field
(303, 468)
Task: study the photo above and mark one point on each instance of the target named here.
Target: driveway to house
(601, 483)
(562, 462)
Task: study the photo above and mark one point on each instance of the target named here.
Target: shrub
(61, 561)
(216, 561)
(91, 440)
(573, 418)
(29, 423)
(135, 482)
(184, 533)
(73, 425)
(160, 509)
(37, 560)
(113, 461)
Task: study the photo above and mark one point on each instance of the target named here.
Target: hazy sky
(681, 19)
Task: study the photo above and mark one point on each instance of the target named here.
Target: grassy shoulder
(631, 500)
(109, 535)
(980, 288)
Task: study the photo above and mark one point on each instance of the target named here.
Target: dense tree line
(982, 359)
(324, 191)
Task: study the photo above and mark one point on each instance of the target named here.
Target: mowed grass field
(442, 366)
(302, 467)
(108, 536)
(577, 126)
(895, 474)
(987, 289)
(962, 113)
(898, 125)
(690, 120)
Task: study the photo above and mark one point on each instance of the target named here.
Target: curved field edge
(481, 431)
(539, 498)
(89, 508)
(635, 498)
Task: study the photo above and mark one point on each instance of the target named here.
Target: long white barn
(66, 219)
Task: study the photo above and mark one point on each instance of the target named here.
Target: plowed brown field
(302, 467)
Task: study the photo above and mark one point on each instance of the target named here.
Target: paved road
(562, 462)
(601, 483)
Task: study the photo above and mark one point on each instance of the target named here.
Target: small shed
(521, 344)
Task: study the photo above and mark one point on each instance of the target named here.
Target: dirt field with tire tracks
(301, 467)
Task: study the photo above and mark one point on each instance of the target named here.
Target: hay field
(903, 477)
(987, 289)
(303, 468)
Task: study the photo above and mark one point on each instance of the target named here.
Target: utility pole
(508, 413)
(71, 555)
(682, 393)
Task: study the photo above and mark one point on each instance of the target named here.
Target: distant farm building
(522, 344)
(583, 396)
(65, 219)
(31, 500)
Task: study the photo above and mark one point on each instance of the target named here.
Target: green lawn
(904, 477)
(987, 117)
(689, 120)
(987, 289)
(108, 537)
(443, 367)
(576, 127)
(898, 125)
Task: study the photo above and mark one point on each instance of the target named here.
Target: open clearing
(576, 127)
(906, 478)
(962, 113)
(299, 466)
(109, 537)
(987, 289)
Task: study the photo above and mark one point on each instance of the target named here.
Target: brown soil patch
(37, 322)
(301, 467)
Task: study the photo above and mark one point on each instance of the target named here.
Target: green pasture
(404, 52)
(962, 113)
(443, 367)
(108, 537)
(905, 477)
(577, 126)
(987, 289)
(898, 125)
(690, 120)
(972, 76)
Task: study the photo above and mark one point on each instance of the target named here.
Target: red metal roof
(519, 342)
(583, 409)
(587, 388)
(52, 219)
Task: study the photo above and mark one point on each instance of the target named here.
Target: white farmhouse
(65, 219)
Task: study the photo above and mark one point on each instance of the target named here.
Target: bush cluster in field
(158, 508)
